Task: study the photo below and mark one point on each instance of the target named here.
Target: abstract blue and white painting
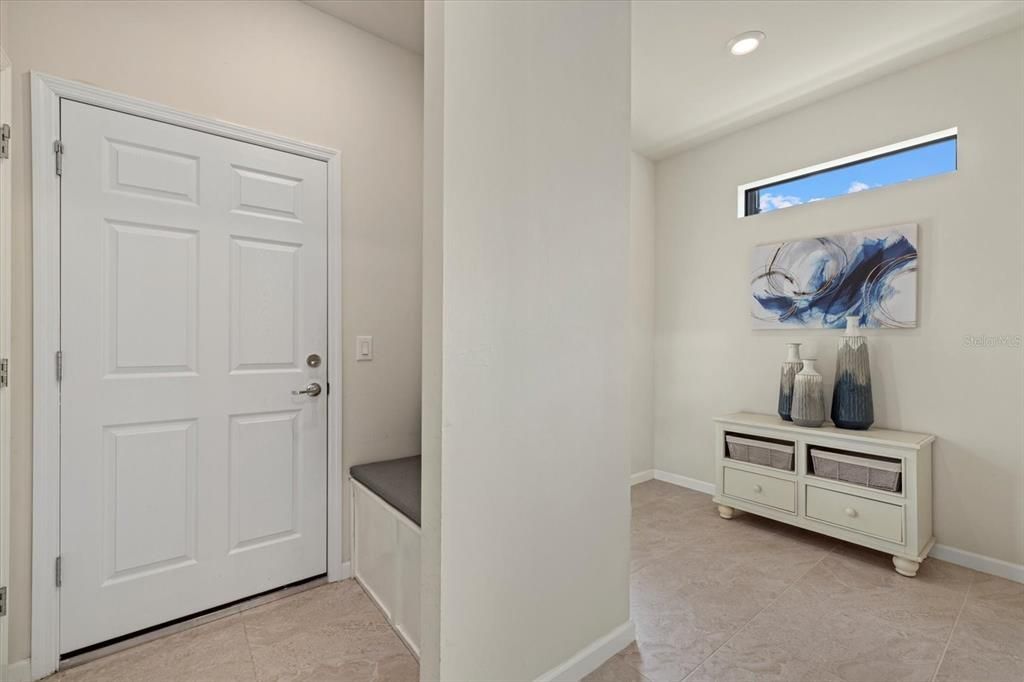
(817, 282)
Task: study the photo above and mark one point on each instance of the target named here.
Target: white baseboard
(685, 482)
(675, 479)
(19, 671)
(979, 562)
(641, 476)
(346, 571)
(960, 557)
(591, 657)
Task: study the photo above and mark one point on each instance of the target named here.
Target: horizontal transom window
(901, 162)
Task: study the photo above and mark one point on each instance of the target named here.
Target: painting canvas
(817, 282)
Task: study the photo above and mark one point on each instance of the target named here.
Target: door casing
(47, 92)
(5, 352)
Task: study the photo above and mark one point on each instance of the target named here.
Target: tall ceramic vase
(790, 367)
(852, 407)
(808, 396)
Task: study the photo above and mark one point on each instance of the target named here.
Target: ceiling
(397, 21)
(688, 88)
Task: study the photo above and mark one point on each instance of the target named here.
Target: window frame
(744, 193)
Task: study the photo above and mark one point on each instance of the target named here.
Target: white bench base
(386, 561)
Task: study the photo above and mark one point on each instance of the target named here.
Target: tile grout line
(952, 630)
(248, 644)
(763, 609)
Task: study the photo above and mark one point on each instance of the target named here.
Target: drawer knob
(757, 488)
(851, 512)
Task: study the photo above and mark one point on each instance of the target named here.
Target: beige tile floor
(333, 632)
(745, 599)
(751, 599)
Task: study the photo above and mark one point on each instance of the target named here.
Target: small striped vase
(808, 396)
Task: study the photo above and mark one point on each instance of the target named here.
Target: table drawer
(767, 490)
(870, 517)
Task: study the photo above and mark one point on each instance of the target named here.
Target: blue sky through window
(909, 164)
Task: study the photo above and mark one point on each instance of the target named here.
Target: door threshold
(113, 646)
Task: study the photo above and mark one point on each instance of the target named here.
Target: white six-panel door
(193, 290)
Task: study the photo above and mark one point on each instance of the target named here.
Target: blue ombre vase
(790, 367)
(852, 407)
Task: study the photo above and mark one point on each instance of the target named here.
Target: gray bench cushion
(395, 481)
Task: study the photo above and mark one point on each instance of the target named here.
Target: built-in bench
(385, 513)
(396, 481)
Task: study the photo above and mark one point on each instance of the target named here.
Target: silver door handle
(312, 390)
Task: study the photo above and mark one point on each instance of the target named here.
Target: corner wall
(708, 361)
(532, 501)
(640, 437)
(433, 342)
(282, 67)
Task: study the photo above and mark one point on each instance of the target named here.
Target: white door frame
(47, 91)
(5, 352)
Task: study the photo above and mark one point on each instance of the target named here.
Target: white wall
(971, 282)
(534, 494)
(641, 316)
(433, 349)
(286, 68)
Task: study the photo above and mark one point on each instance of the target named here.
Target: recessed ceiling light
(745, 43)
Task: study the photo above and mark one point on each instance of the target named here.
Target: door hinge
(58, 150)
(3, 373)
(57, 569)
(60, 365)
(3, 601)
(5, 141)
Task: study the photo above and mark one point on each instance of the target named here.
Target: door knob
(313, 390)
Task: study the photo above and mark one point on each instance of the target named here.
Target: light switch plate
(364, 348)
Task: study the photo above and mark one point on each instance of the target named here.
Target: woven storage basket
(871, 473)
(765, 453)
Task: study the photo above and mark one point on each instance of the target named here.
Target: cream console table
(872, 488)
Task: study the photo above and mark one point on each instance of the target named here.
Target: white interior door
(193, 289)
